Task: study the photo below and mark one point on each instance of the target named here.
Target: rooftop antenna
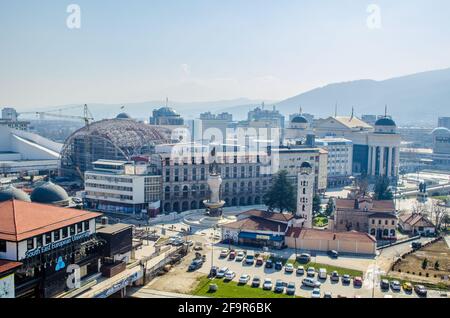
(335, 109)
(385, 110)
(262, 105)
(167, 101)
(301, 111)
(353, 113)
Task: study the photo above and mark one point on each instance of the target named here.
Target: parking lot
(336, 288)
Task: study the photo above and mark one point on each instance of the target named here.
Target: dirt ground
(438, 251)
(178, 279)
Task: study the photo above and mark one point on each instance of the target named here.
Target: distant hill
(418, 97)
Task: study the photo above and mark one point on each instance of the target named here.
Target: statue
(214, 204)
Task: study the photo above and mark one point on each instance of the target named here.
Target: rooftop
(257, 224)
(21, 220)
(6, 265)
(313, 234)
(283, 217)
(113, 229)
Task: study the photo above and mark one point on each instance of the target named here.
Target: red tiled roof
(382, 215)
(283, 217)
(20, 220)
(6, 265)
(257, 224)
(313, 234)
(378, 205)
(416, 219)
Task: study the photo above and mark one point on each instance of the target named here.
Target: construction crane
(87, 115)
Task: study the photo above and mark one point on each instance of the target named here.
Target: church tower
(305, 193)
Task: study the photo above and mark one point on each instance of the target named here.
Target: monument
(214, 205)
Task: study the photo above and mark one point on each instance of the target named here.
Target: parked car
(311, 272)
(384, 284)
(213, 271)
(267, 285)
(190, 243)
(395, 285)
(232, 255)
(259, 261)
(250, 259)
(333, 254)
(416, 245)
(322, 273)
(357, 281)
(223, 253)
(328, 295)
(334, 276)
(278, 266)
(221, 273)
(230, 275)
(304, 258)
(196, 264)
(289, 268)
(279, 286)
(346, 279)
(256, 281)
(310, 282)
(315, 293)
(420, 290)
(300, 271)
(407, 287)
(269, 263)
(290, 288)
(244, 279)
(240, 256)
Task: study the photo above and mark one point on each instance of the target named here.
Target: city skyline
(189, 51)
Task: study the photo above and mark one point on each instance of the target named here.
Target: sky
(204, 50)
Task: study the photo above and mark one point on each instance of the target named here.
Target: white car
(267, 285)
(311, 272)
(240, 256)
(315, 293)
(395, 285)
(289, 268)
(223, 253)
(221, 273)
(311, 282)
(230, 275)
(244, 279)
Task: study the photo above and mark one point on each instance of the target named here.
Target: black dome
(305, 165)
(299, 120)
(385, 122)
(49, 193)
(11, 192)
(123, 116)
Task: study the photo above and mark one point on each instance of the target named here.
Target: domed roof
(299, 120)
(167, 111)
(123, 116)
(49, 193)
(11, 192)
(385, 121)
(305, 165)
(441, 131)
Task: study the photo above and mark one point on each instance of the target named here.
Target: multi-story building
(10, 119)
(441, 148)
(211, 123)
(340, 159)
(444, 122)
(122, 187)
(376, 151)
(292, 158)
(272, 117)
(166, 116)
(184, 172)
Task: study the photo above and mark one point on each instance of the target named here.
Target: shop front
(261, 239)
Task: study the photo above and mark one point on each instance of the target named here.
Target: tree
(281, 194)
(316, 204)
(330, 207)
(425, 264)
(436, 265)
(439, 212)
(382, 190)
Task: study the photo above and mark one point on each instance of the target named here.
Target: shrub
(436, 265)
(420, 273)
(425, 264)
(428, 275)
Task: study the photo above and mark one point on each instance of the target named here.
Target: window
(79, 227)
(48, 238)
(386, 222)
(373, 221)
(86, 225)
(39, 241)
(65, 232)
(2, 246)
(56, 235)
(72, 230)
(30, 244)
(393, 222)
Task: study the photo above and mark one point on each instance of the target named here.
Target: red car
(357, 281)
(232, 255)
(259, 261)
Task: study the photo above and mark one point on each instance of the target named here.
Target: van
(250, 258)
(322, 273)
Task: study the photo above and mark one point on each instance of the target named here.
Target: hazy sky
(192, 50)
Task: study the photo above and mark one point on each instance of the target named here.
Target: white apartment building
(122, 187)
(340, 159)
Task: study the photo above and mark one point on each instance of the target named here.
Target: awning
(259, 236)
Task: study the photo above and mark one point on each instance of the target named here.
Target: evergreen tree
(330, 207)
(316, 204)
(382, 190)
(281, 194)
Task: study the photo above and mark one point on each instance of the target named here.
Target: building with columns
(376, 150)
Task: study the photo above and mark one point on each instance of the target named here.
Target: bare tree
(419, 208)
(438, 212)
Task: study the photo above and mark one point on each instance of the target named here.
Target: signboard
(7, 287)
(263, 237)
(55, 245)
(120, 284)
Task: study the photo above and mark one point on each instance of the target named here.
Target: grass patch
(232, 290)
(441, 197)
